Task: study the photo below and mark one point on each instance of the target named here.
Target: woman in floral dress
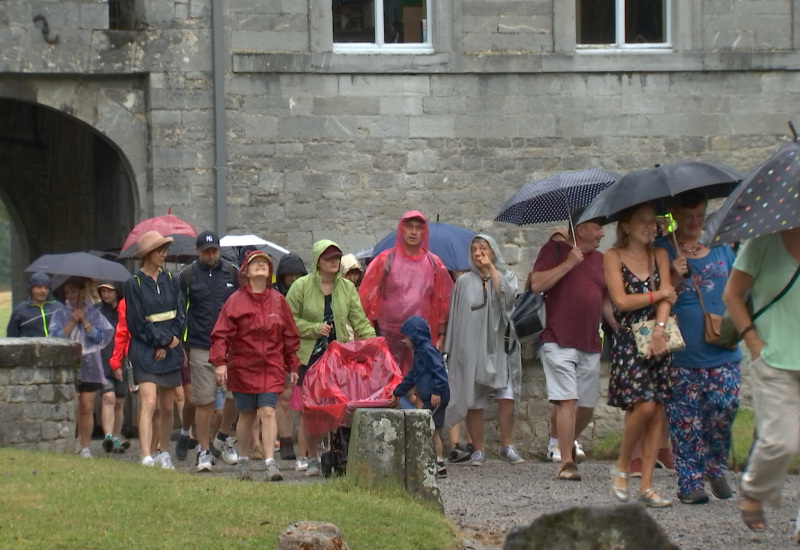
(638, 279)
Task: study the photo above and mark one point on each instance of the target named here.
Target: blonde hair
(625, 217)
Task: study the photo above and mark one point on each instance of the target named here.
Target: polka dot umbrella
(767, 201)
(553, 199)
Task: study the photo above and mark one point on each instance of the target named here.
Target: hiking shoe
(126, 445)
(182, 447)
(204, 463)
(441, 469)
(578, 453)
(665, 460)
(568, 471)
(720, 488)
(117, 448)
(273, 474)
(164, 460)
(458, 454)
(287, 449)
(478, 458)
(148, 461)
(698, 496)
(108, 444)
(243, 469)
(86, 452)
(313, 470)
(635, 468)
(554, 453)
(301, 465)
(225, 448)
(510, 455)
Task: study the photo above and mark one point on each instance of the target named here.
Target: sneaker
(148, 461)
(458, 454)
(720, 488)
(301, 465)
(108, 444)
(665, 460)
(635, 468)
(225, 448)
(204, 462)
(273, 474)
(578, 453)
(126, 445)
(698, 496)
(478, 458)
(182, 447)
(118, 448)
(568, 471)
(86, 452)
(441, 469)
(164, 460)
(313, 470)
(243, 469)
(510, 455)
(554, 453)
(287, 449)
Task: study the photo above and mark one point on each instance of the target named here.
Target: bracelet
(650, 295)
(745, 330)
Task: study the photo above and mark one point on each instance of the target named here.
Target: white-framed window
(391, 26)
(623, 24)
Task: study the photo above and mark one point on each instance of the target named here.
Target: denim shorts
(248, 402)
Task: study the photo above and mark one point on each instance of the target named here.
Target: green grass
(5, 310)
(63, 501)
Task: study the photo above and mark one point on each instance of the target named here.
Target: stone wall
(37, 393)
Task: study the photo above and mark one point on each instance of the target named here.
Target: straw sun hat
(150, 241)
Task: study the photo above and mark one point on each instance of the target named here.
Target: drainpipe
(220, 145)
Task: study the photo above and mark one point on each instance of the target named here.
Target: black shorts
(119, 387)
(88, 387)
(438, 414)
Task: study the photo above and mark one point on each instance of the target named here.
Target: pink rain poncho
(398, 285)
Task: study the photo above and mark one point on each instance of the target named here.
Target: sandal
(620, 493)
(755, 520)
(652, 499)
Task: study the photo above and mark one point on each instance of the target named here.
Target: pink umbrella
(166, 225)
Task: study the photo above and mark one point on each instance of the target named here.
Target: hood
(38, 279)
(350, 262)
(498, 261)
(398, 239)
(318, 248)
(416, 328)
(290, 263)
(243, 279)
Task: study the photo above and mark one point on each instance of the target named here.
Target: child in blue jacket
(428, 375)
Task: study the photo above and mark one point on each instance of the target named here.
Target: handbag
(712, 324)
(527, 317)
(643, 330)
(729, 336)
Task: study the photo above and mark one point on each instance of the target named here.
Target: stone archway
(66, 183)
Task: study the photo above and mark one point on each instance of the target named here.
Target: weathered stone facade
(37, 405)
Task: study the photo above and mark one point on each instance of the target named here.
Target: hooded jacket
(30, 320)
(92, 343)
(255, 336)
(428, 373)
(308, 306)
(290, 263)
(111, 313)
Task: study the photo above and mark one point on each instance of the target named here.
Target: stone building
(298, 119)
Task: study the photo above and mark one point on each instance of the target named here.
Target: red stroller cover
(347, 377)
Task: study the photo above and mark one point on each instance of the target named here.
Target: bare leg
(437, 441)
(583, 416)
(565, 425)
(119, 403)
(301, 440)
(202, 416)
(475, 428)
(147, 408)
(166, 401)
(156, 433)
(244, 428)
(86, 417)
(269, 430)
(554, 421)
(283, 414)
(109, 402)
(189, 409)
(453, 435)
(228, 416)
(505, 417)
(650, 441)
(256, 433)
(635, 424)
(180, 401)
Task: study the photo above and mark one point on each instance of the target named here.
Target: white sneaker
(204, 463)
(164, 460)
(301, 465)
(554, 453)
(580, 455)
(86, 452)
(148, 461)
(273, 474)
(229, 454)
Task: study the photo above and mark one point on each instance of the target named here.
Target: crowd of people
(238, 345)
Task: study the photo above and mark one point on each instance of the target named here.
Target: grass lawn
(64, 501)
(5, 310)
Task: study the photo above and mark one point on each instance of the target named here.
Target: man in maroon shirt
(571, 276)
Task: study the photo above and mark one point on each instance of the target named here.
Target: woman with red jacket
(253, 347)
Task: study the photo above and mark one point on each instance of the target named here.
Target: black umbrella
(767, 201)
(553, 199)
(659, 183)
(181, 245)
(79, 264)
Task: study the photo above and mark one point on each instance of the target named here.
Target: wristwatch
(661, 324)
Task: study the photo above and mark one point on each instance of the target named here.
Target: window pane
(404, 21)
(644, 21)
(353, 21)
(596, 21)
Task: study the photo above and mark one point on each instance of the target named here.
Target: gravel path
(485, 502)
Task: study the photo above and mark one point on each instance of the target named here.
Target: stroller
(346, 377)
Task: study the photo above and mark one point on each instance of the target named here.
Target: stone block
(311, 535)
(17, 394)
(15, 352)
(423, 161)
(420, 456)
(269, 41)
(376, 454)
(94, 16)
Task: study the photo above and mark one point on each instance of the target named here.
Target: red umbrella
(166, 225)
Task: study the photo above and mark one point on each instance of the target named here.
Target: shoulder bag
(712, 324)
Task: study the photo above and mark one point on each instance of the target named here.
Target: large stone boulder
(421, 457)
(623, 527)
(311, 535)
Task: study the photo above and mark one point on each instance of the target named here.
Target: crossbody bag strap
(697, 290)
(780, 294)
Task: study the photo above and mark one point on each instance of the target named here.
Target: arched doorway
(65, 185)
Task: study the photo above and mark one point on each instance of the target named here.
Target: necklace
(690, 250)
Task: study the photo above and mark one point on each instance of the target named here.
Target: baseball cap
(330, 252)
(206, 240)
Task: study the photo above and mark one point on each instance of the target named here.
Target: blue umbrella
(449, 242)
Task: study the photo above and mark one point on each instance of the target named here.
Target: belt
(163, 316)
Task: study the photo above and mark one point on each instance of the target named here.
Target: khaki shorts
(204, 380)
(571, 374)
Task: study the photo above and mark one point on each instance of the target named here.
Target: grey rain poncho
(475, 341)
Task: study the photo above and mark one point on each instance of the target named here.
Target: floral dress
(634, 378)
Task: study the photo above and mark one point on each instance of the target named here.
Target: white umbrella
(240, 241)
